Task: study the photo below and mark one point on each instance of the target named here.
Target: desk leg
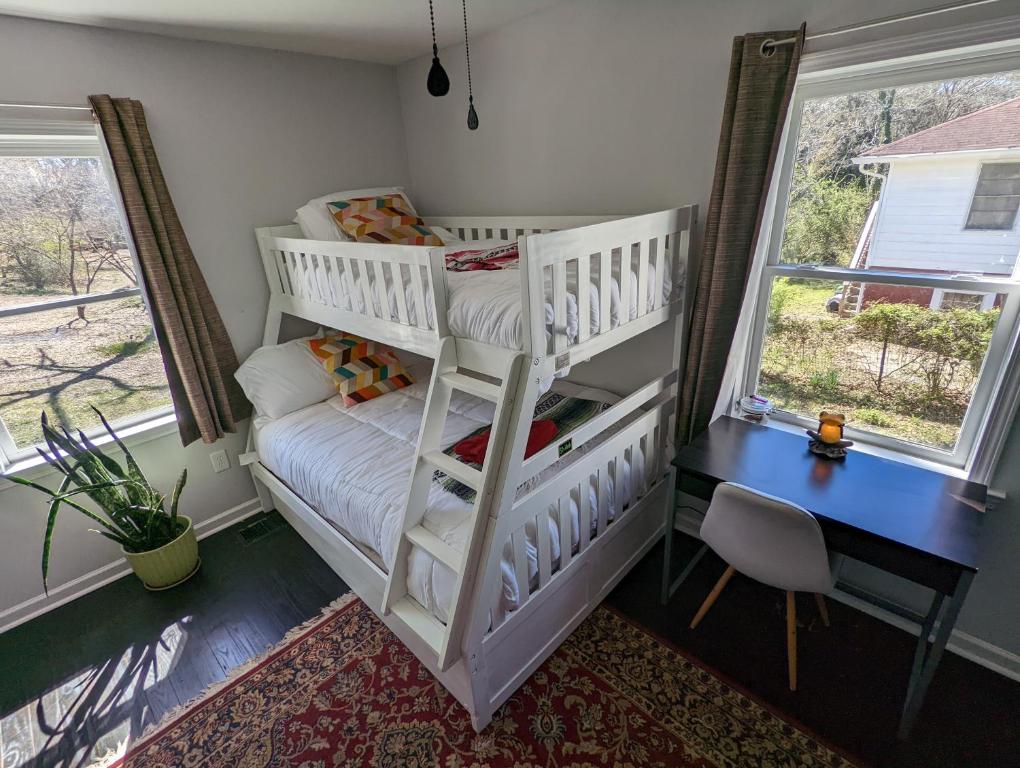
(926, 659)
(668, 589)
(668, 543)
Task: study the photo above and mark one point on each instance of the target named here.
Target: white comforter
(485, 306)
(353, 465)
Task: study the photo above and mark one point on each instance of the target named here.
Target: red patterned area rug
(344, 691)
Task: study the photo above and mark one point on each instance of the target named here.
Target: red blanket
(472, 449)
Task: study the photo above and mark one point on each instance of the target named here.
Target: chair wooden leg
(791, 638)
(712, 596)
(822, 609)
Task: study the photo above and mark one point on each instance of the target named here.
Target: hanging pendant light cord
(432, 21)
(438, 82)
(467, 50)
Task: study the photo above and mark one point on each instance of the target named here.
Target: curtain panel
(199, 359)
(757, 101)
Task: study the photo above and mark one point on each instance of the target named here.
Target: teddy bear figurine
(828, 439)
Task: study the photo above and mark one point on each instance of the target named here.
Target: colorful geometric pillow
(384, 219)
(361, 369)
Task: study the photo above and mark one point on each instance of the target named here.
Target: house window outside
(865, 304)
(996, 197)
(74, 328)
(961, 300)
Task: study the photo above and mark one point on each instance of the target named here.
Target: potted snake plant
(159, 544)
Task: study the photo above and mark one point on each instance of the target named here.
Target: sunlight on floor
(93, 712)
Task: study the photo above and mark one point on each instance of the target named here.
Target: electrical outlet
(219, 460)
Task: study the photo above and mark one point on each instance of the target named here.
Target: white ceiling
(387, 31)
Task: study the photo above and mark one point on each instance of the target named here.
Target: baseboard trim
(100, 577)
(968, 646)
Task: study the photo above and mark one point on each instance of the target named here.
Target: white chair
(774, 542)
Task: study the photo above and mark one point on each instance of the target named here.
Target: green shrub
(825, 219)
(947, 342)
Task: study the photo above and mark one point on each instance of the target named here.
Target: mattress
(486, 306)
(352, 466)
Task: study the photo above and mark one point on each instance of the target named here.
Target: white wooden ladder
(444, 639)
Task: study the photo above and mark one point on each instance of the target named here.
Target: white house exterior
(949, 203)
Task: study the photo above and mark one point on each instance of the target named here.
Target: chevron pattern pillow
(385, 219)
(361, 369)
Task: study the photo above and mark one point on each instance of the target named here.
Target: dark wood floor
(100, 669)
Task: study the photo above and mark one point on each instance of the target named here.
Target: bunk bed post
(489, 580)
(270, 335)
(437, 284)
(682, 252)
(274, 316)
(490, 563)
(532, 299)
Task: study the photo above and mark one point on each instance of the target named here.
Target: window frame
(978, 428)
(974, 197)
(28, 137)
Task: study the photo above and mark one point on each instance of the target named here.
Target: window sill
(159, 425)
(875, 450)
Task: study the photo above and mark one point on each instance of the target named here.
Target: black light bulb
(438, 82)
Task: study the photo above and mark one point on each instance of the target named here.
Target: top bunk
(523, 297)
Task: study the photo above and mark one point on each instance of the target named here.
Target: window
(942, 299)
(74, 329)
(871, 300)
(996, 197)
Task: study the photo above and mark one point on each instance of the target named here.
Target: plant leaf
(175, 499)
(50, 435)
(133, 467)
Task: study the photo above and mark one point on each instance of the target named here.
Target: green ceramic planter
(171, 564)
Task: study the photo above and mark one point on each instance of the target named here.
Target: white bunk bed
(487, 644)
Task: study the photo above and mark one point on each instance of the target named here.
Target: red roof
(994, 127)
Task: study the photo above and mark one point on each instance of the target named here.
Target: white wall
(600, 107)
(244, 136)
(932, 235)
(596, 106)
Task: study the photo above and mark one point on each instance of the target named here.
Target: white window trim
(144, 428)
(996, 397)
(939, 295)
(973, 196)
(77, 136)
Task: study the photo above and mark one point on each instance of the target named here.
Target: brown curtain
(197, 354)
(757, 100)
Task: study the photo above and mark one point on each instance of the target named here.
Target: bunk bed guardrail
(397, 294)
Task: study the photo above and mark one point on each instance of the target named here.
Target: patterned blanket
(567, 413)
(488, 259)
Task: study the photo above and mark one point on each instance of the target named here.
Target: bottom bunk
(351, 466)
(575, 528)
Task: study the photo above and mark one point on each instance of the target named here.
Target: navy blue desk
(911, 522)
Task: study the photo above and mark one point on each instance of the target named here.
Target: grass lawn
(55, 362)
(806, 299)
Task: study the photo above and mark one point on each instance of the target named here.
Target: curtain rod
(768, 46)
(45, 106)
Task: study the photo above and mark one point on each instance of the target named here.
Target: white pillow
(316, 223)
(284, 378)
